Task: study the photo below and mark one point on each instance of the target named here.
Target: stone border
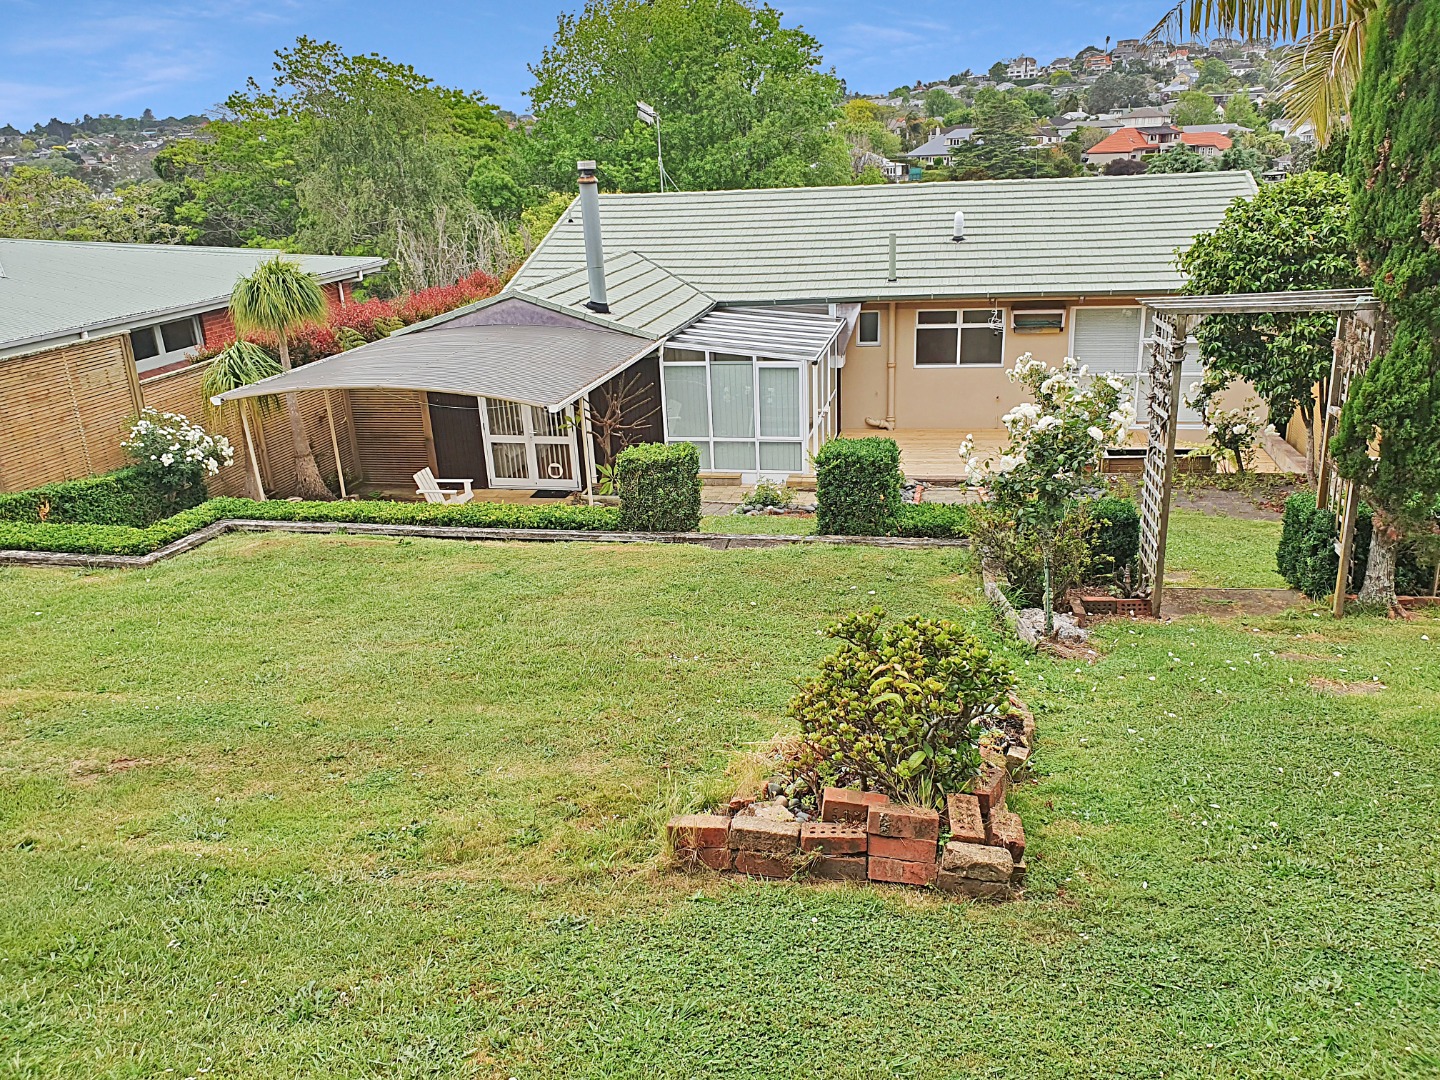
(861, 836)
(718, 541)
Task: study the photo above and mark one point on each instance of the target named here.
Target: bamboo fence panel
(390, 428)
(65, 412)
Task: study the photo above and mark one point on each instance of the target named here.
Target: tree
(1212, 73)
(40, 204)
(1243, 159)
(1388, 440)
(938, 102)
(998, 70)
(1193, 107)
(1124, 167)
(1292, 235)
(741, 98)
(1111, 92)
(1180, 158)
(1319, 73)
(1239, 109)
(278, 298)
(240, 364)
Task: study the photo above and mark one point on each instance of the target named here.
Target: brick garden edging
(861, 836)
(718, 541)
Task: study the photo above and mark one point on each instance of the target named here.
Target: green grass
(1204, 550)
(758, 525)
(298, 806)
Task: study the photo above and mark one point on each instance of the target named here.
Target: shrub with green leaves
(858, 487)
(1307, 560)
(1114, 541)
(126, 497)
(659, 487)
(898, 708)
(934, 521)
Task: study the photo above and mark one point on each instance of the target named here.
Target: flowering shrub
(174, 454)
(1235, 432)
(1057, 443)
(898, 709)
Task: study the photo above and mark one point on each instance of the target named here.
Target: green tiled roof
(1086, 236)
(641, 295)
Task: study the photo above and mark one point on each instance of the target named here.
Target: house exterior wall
(961, 398)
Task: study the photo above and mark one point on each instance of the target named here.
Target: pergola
(1357, 332)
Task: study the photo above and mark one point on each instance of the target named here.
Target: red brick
(839, 868)
(902, 872)
(966, 824)
(990, 788)
(698, 831)
(1017, 876)
(764, 864)
(913, 822)
(848, 804)
(1006, 831)
(904, 848)
(833, 838)
(764, 834)
(949, 882)
(714, 858)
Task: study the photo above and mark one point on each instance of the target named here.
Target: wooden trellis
(1357, 338)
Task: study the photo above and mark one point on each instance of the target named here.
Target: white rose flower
(1095, 433)
(1047, 422)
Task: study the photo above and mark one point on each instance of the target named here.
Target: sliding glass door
(745, 413)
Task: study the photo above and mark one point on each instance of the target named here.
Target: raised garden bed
(1131, 459)
(974, 848)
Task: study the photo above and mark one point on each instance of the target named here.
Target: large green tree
(742, 99)
(1194, 107)
(1292, 235)
(40, 204)
(1389, 434)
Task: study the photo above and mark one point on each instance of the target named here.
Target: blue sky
(68, 57)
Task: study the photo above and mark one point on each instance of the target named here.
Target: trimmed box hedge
(92, 539)
(124, 497)
(934, 521)
(858, 488)
(659, 487)
(1307, 560)
(1115, 543)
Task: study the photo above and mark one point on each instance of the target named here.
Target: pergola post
(335, 446)
(250, 448)
(1345, 548)
(1167, 357)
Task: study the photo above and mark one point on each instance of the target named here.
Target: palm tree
(1321, 68)
(279, 298)
(240, 364)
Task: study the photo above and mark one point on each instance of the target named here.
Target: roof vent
(959, 233)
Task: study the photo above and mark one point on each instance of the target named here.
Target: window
(950, 338)
(744, 413)
(869, 331)
(163, 343)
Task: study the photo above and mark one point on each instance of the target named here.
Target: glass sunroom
(754, 389)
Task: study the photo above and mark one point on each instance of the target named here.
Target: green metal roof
(1085, 236)
(58, 289)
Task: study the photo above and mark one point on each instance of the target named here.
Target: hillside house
(759, 324)
(1136, 144)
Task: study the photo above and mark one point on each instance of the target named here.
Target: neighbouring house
(1099, 62)
(940, 147)
(1136, 144)
(1022, 67)
(759, 324)
(92, 332)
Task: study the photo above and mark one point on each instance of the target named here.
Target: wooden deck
(932, 456)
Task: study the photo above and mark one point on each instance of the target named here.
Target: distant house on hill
(1136, 144)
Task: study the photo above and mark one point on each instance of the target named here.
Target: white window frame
(959, 325)
(163, 358)
(530, 439)
(805, 417)
(860, 339)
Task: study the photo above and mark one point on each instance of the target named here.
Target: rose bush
(173, 454)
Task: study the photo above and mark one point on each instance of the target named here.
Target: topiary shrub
(127, 497)
(1114, 541)
(897, 708)
(858, 487)
(659, 487)
(934, 521)
(1307, 560)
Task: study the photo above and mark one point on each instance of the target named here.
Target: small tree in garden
(1291, 235)
(1233, 432)
(1388, 440)
(174, 455)
(898, 708)
(239, 364)
(1057, 443)
(278, 298)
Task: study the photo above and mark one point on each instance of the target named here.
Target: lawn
(338, 806)
(1211, 551)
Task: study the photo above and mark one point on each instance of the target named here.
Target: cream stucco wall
(961, 398)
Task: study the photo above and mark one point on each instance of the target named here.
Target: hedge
(124, 540)
(858, 488)
(1307, 560)
(659, 487)
(1115, 543)
(934, 521)
(119, 498)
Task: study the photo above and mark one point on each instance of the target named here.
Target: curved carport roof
(547, 366)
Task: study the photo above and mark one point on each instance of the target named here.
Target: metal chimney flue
(594, 249)
(959, 233)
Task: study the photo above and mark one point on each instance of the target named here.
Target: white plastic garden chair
(429, 487)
